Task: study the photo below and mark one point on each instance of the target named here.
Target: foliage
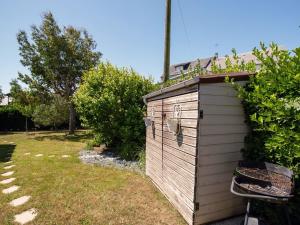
(142, 159)
(8, 108)
(52, 114)
(271, 101)
(23, 100)
(110, 102)
(272, 104)
(56, 59)
(1, 94)
(233, 64)
(190, 74)
(11, 119)
(95, 142)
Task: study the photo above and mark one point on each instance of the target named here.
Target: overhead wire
(184, 25)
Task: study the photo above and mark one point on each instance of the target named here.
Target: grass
(65, 191)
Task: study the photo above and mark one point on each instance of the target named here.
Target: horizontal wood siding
(170, 159)
(221, 137)
(153, 145)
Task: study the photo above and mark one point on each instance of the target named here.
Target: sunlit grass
(65, 191)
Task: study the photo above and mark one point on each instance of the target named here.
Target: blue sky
(131, 32)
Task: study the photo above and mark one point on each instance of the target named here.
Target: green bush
(272, 104)
(142, 159)
(54, 113)
(109, 101)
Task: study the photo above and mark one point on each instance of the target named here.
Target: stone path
(9, 167)
(26, 216)
(20, 201)
(30, 214)
(7, 174)
(7, 181)
(10, 189)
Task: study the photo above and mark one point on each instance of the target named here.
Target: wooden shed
(195, 133)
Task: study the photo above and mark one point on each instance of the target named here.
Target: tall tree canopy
(56, 58)
(1, 94)
(25, 100)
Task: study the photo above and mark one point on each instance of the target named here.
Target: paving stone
(10, 189)
(9, 173)
(38, 155)
(7, 181)
(65, 156)
(26, 216)
(20, 201)
(27, 153)
(11, 143)
(9, 167)
(8, 162)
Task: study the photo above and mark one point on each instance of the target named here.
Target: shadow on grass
(6, 152)
(78, 137)
(2, 133)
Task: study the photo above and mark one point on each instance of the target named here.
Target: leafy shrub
(89, 145)
(53, 114)
(272, 104)
(109, 101)
(11, 119)
(142, 159)
(1, 94)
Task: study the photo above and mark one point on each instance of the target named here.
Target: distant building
(6, 100)
(183, 68)
(206, 63)
(247, 57)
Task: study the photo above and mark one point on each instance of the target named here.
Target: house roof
(212, 78)
(206, 63)
(246, 57)
(5, 100)
(177, 69)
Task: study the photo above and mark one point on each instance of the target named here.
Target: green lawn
(65, 191)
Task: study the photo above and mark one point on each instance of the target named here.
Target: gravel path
(108, 159)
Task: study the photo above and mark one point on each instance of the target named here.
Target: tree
(1, 94)
(109, 101)
(23, 100)
(52, 114)
(57, 58)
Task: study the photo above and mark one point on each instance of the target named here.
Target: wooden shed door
(154, 142)
(171, 159)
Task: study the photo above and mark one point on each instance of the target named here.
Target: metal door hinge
(197, 206)
(201, 114)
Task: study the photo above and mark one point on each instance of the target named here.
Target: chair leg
(287, 215)
(247, 212)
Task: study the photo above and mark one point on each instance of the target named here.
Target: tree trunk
(72, 118)
(26, 124)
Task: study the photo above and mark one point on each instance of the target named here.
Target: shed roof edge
(214, 78)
